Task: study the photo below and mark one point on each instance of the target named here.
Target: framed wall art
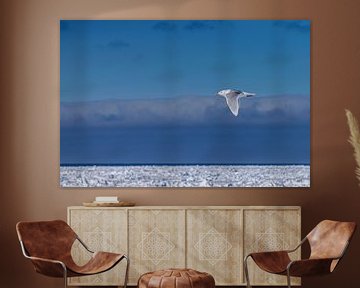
(184, 103)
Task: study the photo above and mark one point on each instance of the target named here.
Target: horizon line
(183, 164)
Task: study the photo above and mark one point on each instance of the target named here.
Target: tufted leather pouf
(176, 278)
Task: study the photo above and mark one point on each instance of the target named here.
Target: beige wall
(29, 118)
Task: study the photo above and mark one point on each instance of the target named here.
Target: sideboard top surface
(193, 207)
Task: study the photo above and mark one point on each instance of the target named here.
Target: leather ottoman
(176, 278)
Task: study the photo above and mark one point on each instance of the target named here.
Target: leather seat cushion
(176, 278)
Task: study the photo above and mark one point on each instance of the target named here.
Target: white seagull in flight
(232, 98)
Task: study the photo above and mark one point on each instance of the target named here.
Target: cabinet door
(214, 244)
(100, 230)
(270, 230)
(156, 240)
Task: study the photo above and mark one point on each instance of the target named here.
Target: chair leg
(127, 271)
(65, 276)
(246, 270)
(288, 278)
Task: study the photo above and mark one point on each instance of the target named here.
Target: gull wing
(232, 100)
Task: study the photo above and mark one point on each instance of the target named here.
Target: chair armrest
(45, 260)
(309, 267)
(298, 246)
(48, 267)
(280, 251)
(83, 244)
(268, 254)
(271, 261)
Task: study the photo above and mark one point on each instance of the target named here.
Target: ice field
(186, 176)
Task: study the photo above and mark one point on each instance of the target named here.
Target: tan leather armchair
(328, 242)
(48, 245)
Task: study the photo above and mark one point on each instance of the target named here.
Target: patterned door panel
(214, 241)
(156, 240)
(101, 230)
(270, 230)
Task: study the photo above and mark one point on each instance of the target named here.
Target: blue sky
(152, 85)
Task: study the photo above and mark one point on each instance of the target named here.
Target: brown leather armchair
(328, 242)
(48, 245)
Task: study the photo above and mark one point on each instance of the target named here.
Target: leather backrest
(329, 238)
(46, 239)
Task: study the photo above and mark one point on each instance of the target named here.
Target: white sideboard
(212, 239)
